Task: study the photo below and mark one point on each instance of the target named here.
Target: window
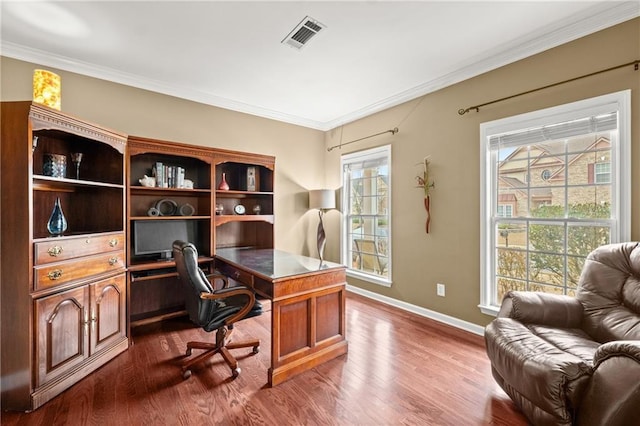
(603, 172)
(505, 210)
(560, 216)
(546, 174)
(366, 201)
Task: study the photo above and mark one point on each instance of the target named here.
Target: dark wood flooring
(401, 369)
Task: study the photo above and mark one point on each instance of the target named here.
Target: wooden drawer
(236, 274)
(51, 275)
(69, 248)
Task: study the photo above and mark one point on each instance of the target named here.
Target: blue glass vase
(57, 222)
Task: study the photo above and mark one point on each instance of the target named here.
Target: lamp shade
(46, 88)
(322, 199)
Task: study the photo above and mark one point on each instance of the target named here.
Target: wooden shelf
(48, 183)
(241, 194)
(155, 316)
(222, 219)
(169, 217)
(168, 191)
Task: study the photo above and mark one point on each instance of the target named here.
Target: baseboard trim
(427, 313)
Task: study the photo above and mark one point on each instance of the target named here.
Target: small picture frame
(252, 179)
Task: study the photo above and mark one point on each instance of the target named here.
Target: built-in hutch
(63, 297)
(179, 198)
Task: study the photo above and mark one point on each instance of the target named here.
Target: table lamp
(323, 200)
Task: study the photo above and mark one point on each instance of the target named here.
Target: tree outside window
(557, 173)
(366, 235)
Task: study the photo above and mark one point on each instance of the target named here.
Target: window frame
(620, 173)
(357, 157)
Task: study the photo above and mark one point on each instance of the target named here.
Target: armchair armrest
(612, 396)
(213, 277)
(627, 348)
(542, 308)
(224, 293)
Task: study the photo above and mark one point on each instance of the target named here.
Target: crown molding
(592, 20)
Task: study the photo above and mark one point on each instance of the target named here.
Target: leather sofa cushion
(549, 367)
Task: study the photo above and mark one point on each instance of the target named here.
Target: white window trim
(344, 249)
(575, 110)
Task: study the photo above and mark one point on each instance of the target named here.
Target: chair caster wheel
(186, 374)
(256, 349)
(235, 372)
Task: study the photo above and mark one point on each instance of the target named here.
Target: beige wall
(298, 150)
(428, 126)
(450, 254)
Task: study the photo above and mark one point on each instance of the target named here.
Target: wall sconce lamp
(46, 88)
(323, 200)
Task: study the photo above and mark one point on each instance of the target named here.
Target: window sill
(489, 310)
(369, 278)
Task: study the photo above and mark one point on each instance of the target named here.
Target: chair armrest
(612, 396)
(628, 348)
(224, 293)
(212, 277)
(542, 308)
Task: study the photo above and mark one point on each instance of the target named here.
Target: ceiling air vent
(303, 32)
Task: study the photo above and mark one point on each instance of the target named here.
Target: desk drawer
(52, 275)
(63, 249)
(237, 274)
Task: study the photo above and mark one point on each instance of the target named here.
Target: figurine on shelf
(149, 181)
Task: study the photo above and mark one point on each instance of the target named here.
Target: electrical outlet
(440, 289)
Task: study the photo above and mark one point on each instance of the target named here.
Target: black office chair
(213, 309)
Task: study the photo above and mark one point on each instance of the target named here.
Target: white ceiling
(371, 55)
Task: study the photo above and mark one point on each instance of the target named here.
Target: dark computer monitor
(156, 237)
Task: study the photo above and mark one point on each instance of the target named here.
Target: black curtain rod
(392, 131)
(477, 107)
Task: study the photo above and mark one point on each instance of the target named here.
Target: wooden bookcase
(64, 297)
(251, 228)
(154, 293)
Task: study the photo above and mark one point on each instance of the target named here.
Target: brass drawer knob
(113, 261)
(54, 251)
(55, 274)
(113, 242)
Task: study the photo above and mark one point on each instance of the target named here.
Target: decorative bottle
(57, 222)
(224, 186)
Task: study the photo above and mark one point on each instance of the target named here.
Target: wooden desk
(308, 305)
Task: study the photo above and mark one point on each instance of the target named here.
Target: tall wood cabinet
(64, 297)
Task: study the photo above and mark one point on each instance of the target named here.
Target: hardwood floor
(401, 369)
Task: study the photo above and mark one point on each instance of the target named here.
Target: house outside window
(576, 197)
(366, 201)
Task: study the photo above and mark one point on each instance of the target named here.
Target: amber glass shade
(46, 88)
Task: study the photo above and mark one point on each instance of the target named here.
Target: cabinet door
(108, 312)
(62, 331)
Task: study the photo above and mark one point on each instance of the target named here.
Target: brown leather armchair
(574, 360)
